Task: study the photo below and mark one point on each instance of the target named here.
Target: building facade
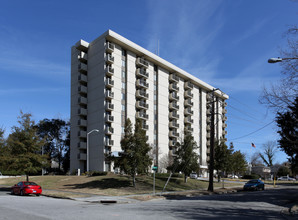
(113, 79)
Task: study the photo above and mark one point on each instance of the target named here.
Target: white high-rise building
(113, 79)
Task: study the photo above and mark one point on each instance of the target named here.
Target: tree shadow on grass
(103, 184)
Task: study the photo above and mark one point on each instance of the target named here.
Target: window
(123, 96)
(123, 74)
(123, 63)
(123, 85)
(123, 107)
(122, 130)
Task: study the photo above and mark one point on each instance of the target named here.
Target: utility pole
(212, 130)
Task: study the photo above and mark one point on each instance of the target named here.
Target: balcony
(82, 56)
(224, 111)
(110, 47)
(109, 83)
(172, 143)
(82, 134)
(208, 111)
(188, 120)
(173, 124)
(141, 72)
(109, 59)
(142, 83)
(224, 118)
(173, 77)
(144, 126)
(82, 67)
(174, 134)
(208, 143)
(82, 156)
(109, 106)
(208, 128)
(141, 104)
(188, 85)
(224, 125)
(188, 102)
(174, 115)
(82, 101)
(109, 142)
(109, 118)
(188, 111)
(82, 111)
(188, 129)
(82, 78)
(174, 96)
(224, 104)
(142, 62)
(208, 135)
(82, 123)
(82, 89)
(109, 130)
(188, 94)
(82, 145)
(208, 120)
(142, 94)
(109, 94)
(174, 105)
(224, 132)
(82, 45)
(173, 86)
(109, 71)
(142, 115)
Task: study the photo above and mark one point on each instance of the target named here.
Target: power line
(253, 131)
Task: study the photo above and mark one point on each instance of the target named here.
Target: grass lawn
(112, 184)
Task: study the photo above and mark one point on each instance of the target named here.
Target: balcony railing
(188, 85)
(172, 143)
(82, 134)
(109, 106)
(82, 45)
(109, 142)
(174, 96)
(83, 57)
(142, 72)
(82, 78)
(174, 77)
(174, 114)
(188, 120)
(109, 94)
(174, 134)
(142, 83)
(109, 71)
(188, 94)
(142, 62)
(82, 67)
(82, 100)
(142, 115)
(109, 59)
(142, 104)
(174, 105)
(173, 86)
(109, 83)
(82, 89)
(109, 118)
(82, 123)
(144, 126)
(188, 102)
(110, 47)
(82, 156)
(188, 111)
(142, 94)
(109, 130)
(224, 118)
(82, 145)
(82, 111)
(174, 124)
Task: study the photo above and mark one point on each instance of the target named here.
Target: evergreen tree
(239, 163)
(134, 158)
(186, 159)
(24, 147)
(222, 157)
(288, 131)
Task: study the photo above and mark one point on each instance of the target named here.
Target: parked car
(286, 178)
(25, 188)
(254, 185)
(193, 175)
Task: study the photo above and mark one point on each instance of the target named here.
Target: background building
(113, 79)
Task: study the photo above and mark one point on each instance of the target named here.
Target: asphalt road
(266, 204)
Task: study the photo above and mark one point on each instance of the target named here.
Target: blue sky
(223, 42)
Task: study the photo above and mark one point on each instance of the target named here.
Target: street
(245, 205)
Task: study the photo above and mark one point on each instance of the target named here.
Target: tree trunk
(185, 178)
(27, 177)
(134, 180)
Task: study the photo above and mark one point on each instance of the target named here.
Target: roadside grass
(110, 185)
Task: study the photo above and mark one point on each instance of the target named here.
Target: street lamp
(94, 130)
(279, 59)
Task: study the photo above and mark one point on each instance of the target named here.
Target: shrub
(251, 176)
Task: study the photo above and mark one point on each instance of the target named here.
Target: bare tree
(282, 94)
(255, 159)
(269, 151)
